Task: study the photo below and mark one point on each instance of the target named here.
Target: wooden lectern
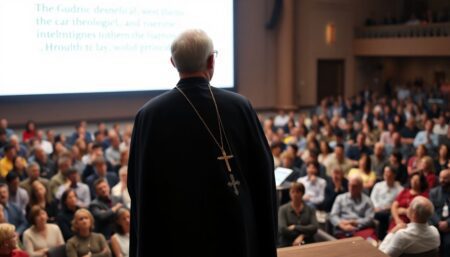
(350, 247)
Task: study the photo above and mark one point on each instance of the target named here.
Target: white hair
(422, 207)
(190, 51)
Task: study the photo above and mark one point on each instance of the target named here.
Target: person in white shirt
(382, 196)
(417, 236)
(81, 190)
(314, 185)
(441, 127)
(281, 119)
(120, 190)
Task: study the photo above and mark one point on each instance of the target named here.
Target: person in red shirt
(418, 185)
(8, 242)
(29, 132)
(426, 166)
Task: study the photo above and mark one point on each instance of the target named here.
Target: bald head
(420, 210)
(444, 179)
(191, 51)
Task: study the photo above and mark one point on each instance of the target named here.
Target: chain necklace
(224, 157)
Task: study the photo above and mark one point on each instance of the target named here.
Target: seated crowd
(65, 192)
(359, 163)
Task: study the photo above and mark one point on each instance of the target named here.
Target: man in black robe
(186, 202)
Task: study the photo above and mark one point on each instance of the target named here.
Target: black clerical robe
(182, 205)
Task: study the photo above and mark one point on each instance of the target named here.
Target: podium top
(349, 247)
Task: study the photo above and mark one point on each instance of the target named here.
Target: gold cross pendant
(225, 158)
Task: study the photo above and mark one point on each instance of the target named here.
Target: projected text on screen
(78, 46)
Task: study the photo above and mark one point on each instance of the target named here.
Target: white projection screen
(90, 46)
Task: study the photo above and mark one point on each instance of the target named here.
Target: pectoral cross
(225, 158)
(234, 183)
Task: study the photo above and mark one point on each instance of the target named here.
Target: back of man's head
(190, 51)
(420, 209)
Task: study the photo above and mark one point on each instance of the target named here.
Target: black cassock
(182, 205)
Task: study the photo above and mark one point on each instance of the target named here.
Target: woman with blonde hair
(8, 242)
(86, 243)
(426, 167)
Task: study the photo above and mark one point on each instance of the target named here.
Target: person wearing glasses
(200, 172)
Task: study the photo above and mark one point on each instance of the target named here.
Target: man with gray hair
(417, 236)
(352, 213)
(200, 170)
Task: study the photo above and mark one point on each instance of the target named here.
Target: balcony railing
(404, 31)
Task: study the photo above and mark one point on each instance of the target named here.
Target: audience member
(17, 195)
(417, 236)
(20, 167)
(43, 143)
(395, 162)
(46, 165)
(281, 119)
(355, 151)
(80, 189)
(276, 148)
(383, 195)
(352, 213)
(409, 132)
(69, 205)
(64, 163)
(85, 242)
(101, 171)
(39, 196)
(368, 176)
(13, 213)
(426, 167)
(77, 157)
(314, 185)
(427, 137)
(325, 152)
(9, 241)
(80, 133)
(336, 186)
(386, 137)
(440, 197)
(313, 157)
(417, 186)
(413, 162)
(104, 208)
(7, 162)
(339, 159)
(41, 236)
(33, 172)
(100, 138)
(112, 153)
(297, 221)
(120, 241)
(378, 160)
(29, 132)
(20, 149)
(4, 126)
(95, 152)
(441, 126)
(443, 159)
(120, 190)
